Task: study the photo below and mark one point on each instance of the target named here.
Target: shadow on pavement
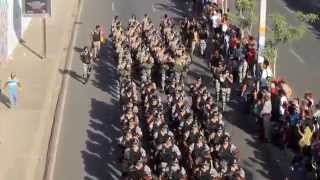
(106, 75)
(78, 49)
(4, 100)
(101, 155)
(24, 44)
(261, 154)
(73, 74)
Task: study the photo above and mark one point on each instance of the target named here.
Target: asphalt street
(87, 146)
(299, 61)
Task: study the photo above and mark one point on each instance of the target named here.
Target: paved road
(299, 62)
(87, 144)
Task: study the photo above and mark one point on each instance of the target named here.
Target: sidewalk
(25, 131)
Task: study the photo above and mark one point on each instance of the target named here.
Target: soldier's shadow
(4, 99)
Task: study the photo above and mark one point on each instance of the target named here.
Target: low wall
(12, 26)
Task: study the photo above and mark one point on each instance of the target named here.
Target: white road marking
(114, 169)
(289, 10)
(112, 6)
(115, 128)
(153, 8)
(300, 59)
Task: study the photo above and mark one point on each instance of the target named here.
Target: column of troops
(181, 136)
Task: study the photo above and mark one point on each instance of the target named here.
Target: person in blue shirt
(12, 84)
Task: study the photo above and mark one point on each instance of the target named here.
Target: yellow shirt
(306, 137)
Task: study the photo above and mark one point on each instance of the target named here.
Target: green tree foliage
(307, 17)
(245, 17)
(280, 33)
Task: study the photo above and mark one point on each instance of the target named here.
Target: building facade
(12, 26)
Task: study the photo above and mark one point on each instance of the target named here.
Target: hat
(220, 128)
(164, 126)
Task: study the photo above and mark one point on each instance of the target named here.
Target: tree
(246, 15)
(280, 33)
(307, 17)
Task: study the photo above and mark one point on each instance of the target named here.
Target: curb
(59, 107)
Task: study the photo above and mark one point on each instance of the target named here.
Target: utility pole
(262, 29)
(262, 40)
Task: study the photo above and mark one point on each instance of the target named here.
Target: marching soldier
(147, 66)
(133, 154)
(205, 172)
(167, 153)
(126, 140)
(199, 152)
(173, 172)
(86, 57)
(226, 80)
(161, 136)
(139, 171)
(213, 123)
(216, 74)
(96, 40)
(227, 150)
(157, 124)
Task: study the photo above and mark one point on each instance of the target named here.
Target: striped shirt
(12, 85)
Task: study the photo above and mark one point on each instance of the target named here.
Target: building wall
(3, 30)
(12, 26)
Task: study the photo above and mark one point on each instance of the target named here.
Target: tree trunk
(226, 6)
(275, 63)
(250, 30)
(242, 33)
